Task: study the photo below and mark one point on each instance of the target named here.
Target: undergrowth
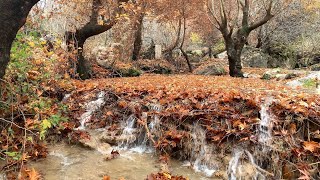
(30, 107)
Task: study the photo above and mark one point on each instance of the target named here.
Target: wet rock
(94, 142)
(117, 139)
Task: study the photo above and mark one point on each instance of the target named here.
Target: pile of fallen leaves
(228, 109)
(164, 176)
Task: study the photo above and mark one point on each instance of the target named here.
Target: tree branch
(266, 18)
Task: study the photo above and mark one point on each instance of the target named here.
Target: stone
(210, 69)
(315, 67)
(254, 57)
(222, 55)
(107, 57)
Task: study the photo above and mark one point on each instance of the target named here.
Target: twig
(2, 119)
(316, 163)
(144, 118)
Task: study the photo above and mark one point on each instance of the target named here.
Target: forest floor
(227, 109)
(181, 116)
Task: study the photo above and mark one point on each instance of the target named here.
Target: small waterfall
(264, 134)
(91, 107)
(234, 164)
(154, 125)
(128, 134)
(201, 153)
(265, 126)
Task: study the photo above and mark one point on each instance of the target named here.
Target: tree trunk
(13, 15)
(138, 38)
(234, 46)
(187, 59)
(235, 67)
(83, 67)
(93, 27)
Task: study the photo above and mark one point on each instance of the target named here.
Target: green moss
(266, 76)
(310, 83)
(131, 72)
(218, 47)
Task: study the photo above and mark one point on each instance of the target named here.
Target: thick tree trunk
(83, 67)
(138, 38)
(234, 46)
(235, 68)
(76, 40)
(13, 15)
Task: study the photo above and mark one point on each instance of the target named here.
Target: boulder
(157, 66)
(210, 69)
(315, 67)
(310, 81)
(108, 56)
(279, 74)
(254, 57)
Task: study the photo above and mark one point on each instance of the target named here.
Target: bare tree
(103, 17)
(236, 20)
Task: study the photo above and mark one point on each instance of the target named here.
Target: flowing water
(66, 162)
(242, 169)
(265, 126)
(136, 159)
(91, 107)
(201, 154)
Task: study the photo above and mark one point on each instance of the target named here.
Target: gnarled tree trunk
(236, 37)
(92, 28)
(13, 15)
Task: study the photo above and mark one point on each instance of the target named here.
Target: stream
(67, 162)
(137, 160)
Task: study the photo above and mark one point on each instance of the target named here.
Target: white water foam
(65, 160)
(266, 123)
(91, 107)
(234, 164)
(201, 153)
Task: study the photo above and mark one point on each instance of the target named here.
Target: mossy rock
(131, 72)
(155, 66)
(210, 69)
(315, 67)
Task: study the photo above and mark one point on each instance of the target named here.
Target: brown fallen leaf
(106, 178)
(311, 146)
(33, 174)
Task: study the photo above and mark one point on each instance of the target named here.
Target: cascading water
(128, 134)
(234, 164)
(201, 153)
(264, 135)
(91, 107)
(136, 139)
(265, 126)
